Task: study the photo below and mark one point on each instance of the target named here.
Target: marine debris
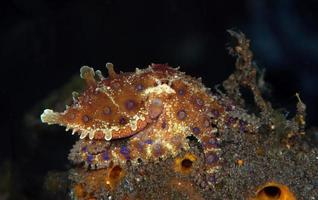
(158, 133)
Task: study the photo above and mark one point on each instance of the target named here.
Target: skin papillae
(156, 109)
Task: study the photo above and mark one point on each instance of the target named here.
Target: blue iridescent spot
(211, 159)
(84, 149)
(149, 141)
(213, 141)
(243, 125)
(125, 152)
(105, 155)
(215, 113)
(230, 121)
(210, 143)
(196, 130)
(90, 158)
(211, 179)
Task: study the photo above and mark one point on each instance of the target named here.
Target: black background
(44, 42)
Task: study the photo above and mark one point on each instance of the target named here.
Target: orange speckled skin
(114, 93)
(157, 108)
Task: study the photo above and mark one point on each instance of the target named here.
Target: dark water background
(44, 42)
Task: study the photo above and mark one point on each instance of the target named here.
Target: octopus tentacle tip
(75, 96)
(111, 71)
(83, 134)
(91, 135)
(99, 75)
(50, 117)
(88, 74)
(74, 131)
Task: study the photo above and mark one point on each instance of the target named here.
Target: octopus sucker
(150, 113)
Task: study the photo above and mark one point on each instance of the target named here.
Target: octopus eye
(85, 118)
(107, 110)
(181, 114)
(130, 104)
